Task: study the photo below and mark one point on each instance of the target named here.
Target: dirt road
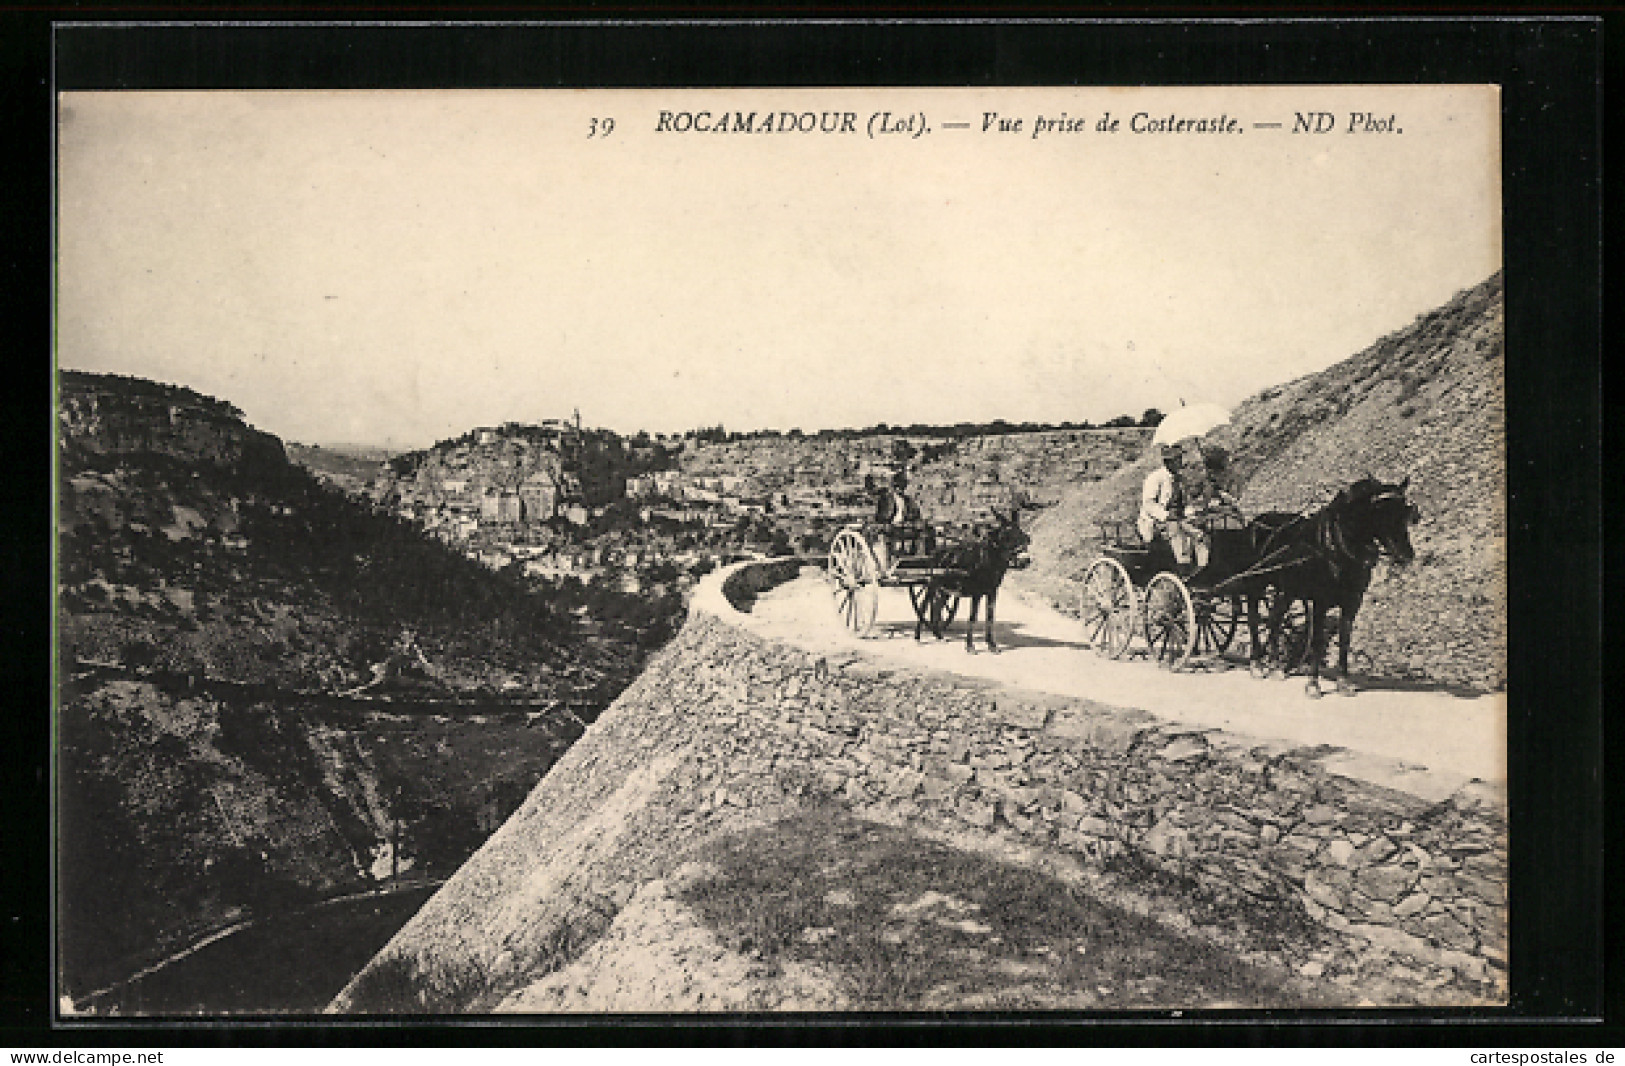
(1428, 743)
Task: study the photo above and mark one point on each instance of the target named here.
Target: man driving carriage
(1162, 511)
(896, 522)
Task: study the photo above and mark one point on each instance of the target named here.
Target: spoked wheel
(1108, 606)
(1217, 618)
(855, 574)
(1170, 620)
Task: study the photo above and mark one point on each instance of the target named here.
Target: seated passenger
(1162, 510)
(1210, 495)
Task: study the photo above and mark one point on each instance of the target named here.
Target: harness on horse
(1283, 557)
(1330, 540)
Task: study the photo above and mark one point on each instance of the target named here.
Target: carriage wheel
(1294, 646)
(950, 607)
(855, 573)
(1170, 620)
(1217, 618)
(1108, 606)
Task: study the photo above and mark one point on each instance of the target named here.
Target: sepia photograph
(755, 551)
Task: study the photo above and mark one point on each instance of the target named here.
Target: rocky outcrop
(1388, 891)
(109, 415)
(955, 479)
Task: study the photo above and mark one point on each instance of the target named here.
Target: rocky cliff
(583, 466)
(1425, 402)
(111, 415)
(751, 827)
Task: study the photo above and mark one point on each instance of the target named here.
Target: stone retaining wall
(1423, 881)
(743, 582)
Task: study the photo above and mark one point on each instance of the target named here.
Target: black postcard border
(1550, 70)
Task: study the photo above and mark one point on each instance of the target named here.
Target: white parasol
(1187, 422)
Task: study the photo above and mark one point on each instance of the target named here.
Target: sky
(394, 268)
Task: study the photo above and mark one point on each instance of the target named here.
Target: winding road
(1425, 742)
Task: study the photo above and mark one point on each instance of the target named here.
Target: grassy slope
(1426, 402)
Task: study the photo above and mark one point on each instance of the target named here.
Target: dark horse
(1325, 559)
(976, 567)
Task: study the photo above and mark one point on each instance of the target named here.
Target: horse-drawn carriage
(1137, 589)
(858, 576)
(936, 570)
(1291, 568)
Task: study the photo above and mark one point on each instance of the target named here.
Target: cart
(1135, 588)
(856, 576)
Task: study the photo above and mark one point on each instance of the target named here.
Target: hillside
(349, 466)
(954, 479)
(242, 649)
(1425, 402)
(541, 466)
(189, 542)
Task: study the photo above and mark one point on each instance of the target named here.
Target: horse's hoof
(994, 649)
(1312, 690)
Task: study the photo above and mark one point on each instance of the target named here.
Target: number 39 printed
(601, 127)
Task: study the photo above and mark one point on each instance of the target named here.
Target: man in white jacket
(1162, 507)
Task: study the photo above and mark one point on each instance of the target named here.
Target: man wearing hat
(1162, 509)
(893, 512)
(1212, 496)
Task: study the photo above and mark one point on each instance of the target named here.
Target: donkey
(976, 568)
(1326, 559)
